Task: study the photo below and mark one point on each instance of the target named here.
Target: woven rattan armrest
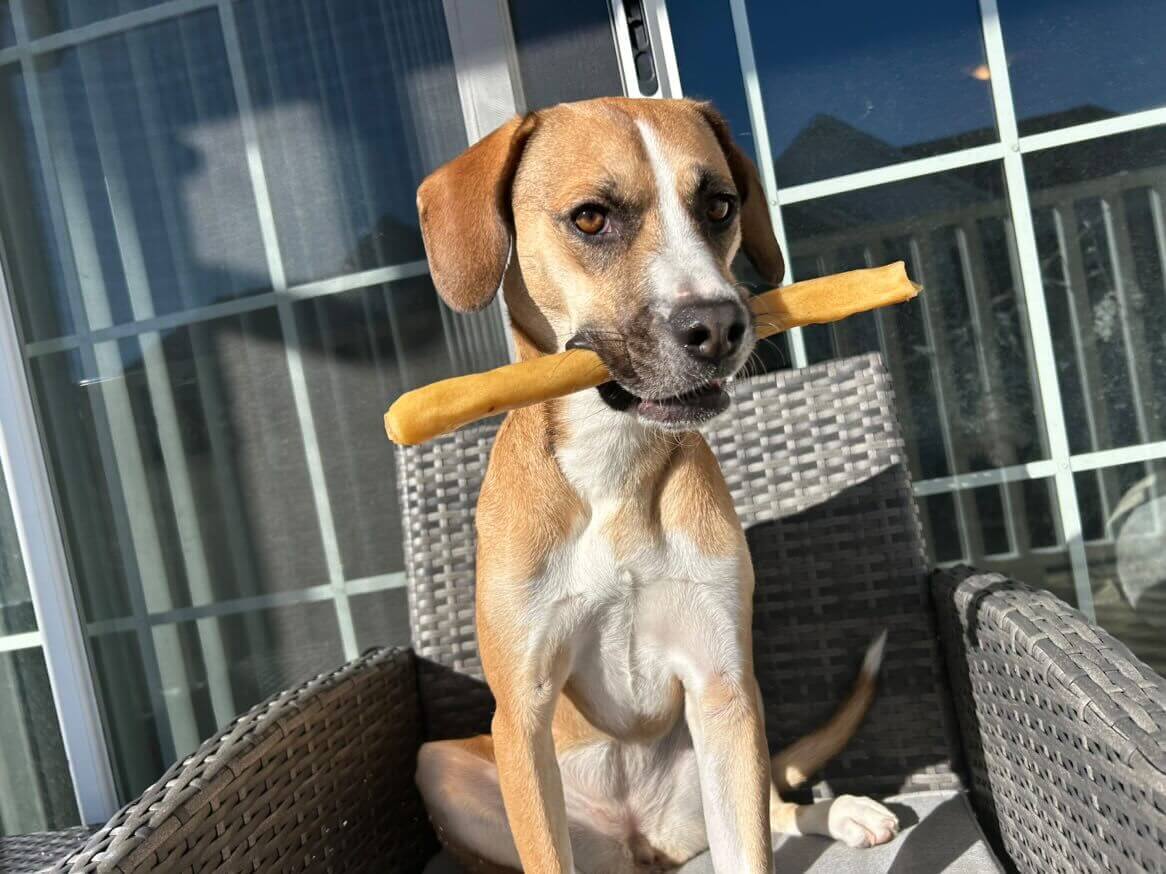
(316, 779)
(1063, 728)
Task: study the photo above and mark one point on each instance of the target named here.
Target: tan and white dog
(614, 588)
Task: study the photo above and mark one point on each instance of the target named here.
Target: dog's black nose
(709, 331)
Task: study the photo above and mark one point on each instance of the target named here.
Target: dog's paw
(861, 822)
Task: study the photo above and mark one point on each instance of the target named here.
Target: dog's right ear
(466, 218)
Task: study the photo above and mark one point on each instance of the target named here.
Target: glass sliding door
(1013, 153)
(211, 244)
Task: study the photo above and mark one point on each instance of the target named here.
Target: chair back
(818, 474)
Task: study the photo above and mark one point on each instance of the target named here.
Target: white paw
(861, 822)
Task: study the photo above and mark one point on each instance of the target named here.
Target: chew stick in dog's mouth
(444, 406)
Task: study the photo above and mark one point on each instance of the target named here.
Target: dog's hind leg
(459, 781)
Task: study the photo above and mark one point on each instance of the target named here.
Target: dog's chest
(639, 624)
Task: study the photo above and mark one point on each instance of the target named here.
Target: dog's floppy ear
(757, 237)
(466, 218)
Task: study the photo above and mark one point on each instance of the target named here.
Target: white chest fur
(635, 622)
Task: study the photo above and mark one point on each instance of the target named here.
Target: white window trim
(485, 62)
(43, 551)
(1032, 285)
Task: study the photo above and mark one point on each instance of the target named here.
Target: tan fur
(522, 533)
(695, 500)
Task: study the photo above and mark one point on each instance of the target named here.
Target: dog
(614, 585)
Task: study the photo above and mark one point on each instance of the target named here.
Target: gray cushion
(940, 836)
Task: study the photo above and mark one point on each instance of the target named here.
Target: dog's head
(624, 216)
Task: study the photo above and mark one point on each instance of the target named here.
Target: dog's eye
(591, 220)
(719, 209)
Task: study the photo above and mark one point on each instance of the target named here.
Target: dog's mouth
(692, 407)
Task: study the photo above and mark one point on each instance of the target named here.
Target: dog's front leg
(724, 717)
(528, 772)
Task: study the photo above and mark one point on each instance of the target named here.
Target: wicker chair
(1056, 732)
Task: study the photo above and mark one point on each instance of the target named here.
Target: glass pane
(16, 611)
(214, 668)
(381, 618)
(71, 410)
(1011, 528)
(211, 457)
(564, 51)
(360, 349)
(1126, 547)
(941, 527)
(7, 35)
(710, 69)
(52, 16)
(959, 354)
(36, 792)
(856, 85)
(1097, 209)
(354, 105)
(33, 257)
(151, 177)
(1073, 61)
(210, 450)
(133, 712)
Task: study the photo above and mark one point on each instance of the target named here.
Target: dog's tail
(794, 765)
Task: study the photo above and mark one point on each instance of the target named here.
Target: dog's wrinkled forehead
(605, 147)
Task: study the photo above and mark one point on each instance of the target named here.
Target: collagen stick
(444, 406)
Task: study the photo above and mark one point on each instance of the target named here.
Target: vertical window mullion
(1032, 284)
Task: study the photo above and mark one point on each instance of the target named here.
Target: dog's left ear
(757, 237)
(466, 217)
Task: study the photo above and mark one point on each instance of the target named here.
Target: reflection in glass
(381, 618)
(217, 455)
(36, 792)
(1097, 211)
(78, 448)
(857, 85)
(959, 354)
(16, 610)
(1011, 528)
(31, 254)
(1074, 61)
(706, 55)
(215, 668)
(201, 456)
(360, 349)
(152, 180)
(355, 104)
(7, 35)
(53, 16)
(1123, 512)
(133, 713)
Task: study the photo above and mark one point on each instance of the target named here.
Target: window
(211, 251)
(1013, 153)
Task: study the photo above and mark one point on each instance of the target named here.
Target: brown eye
(719, 209)
(591, 220)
